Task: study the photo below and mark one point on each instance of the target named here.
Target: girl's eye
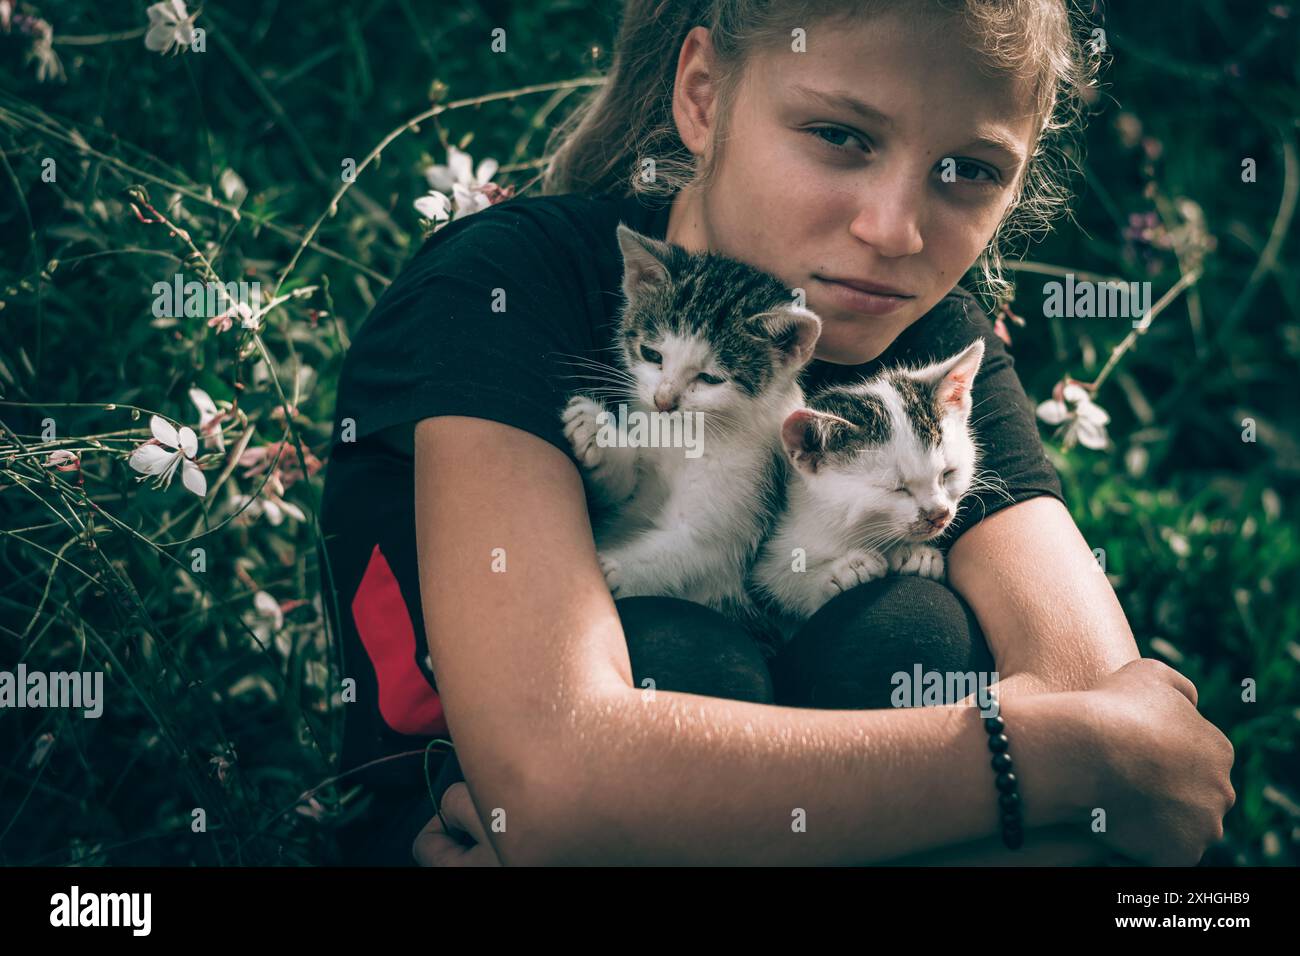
(835, 131)
(969, 171)
(650, 355)
(708, 379)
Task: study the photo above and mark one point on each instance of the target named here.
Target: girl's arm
(567, 762)
(1053, 623)
(1049, 614)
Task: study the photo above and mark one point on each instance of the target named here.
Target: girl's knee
(848, 653)
(687, 647)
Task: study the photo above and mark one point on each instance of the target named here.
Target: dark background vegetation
(208, 707)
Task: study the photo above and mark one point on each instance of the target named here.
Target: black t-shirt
(487, 320)
(490, 315)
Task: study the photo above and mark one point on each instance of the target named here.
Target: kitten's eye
(947, 475)
(650, 355)
(708, 379)
(903, 489)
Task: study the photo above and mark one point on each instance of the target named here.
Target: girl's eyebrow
(838, 99)
(999, 142)
(996, 140)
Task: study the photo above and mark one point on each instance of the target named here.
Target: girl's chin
(847, 349)
(849, 339)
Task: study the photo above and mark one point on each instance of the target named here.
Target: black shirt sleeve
(1002, 417)
(480, 323)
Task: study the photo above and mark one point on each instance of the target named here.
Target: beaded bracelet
(1009, 805)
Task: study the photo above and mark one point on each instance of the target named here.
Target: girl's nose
(889, 219)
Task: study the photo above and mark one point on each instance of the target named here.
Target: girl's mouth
(875, 302)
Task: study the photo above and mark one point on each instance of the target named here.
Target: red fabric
(406, 701)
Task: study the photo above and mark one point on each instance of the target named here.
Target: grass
(227, 164)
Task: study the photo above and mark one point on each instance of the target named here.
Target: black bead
(1007, 782)
(998, 743)
(1009, 801)
(1001, 762)
(1011, 819)
(995, 725)
(1013, 839)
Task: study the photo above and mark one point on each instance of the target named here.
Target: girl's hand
(435, 846)
(1164, 783)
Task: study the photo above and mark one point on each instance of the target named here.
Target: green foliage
(224, 704)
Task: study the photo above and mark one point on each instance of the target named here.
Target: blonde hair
(598, 148)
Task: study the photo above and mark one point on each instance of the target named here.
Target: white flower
(232, 184)
(266, 620)
(171, 27)
(48, 66)
(209, 419)
(1085, 420)
(459, 170)
(434, 206)
(167, 451)
(270, 504)
(465, 183)
(40, 750)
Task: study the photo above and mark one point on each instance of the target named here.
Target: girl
(868, 153)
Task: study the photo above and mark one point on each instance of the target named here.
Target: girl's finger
(434, 847)
(458, 810)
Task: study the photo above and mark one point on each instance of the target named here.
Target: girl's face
(900, 193)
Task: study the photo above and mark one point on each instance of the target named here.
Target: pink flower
(209, 419)
(63, 460)
(310, 808)
(221, 766)
(258, 460)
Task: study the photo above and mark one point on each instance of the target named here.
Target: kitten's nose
(665, 403)
(938, 517)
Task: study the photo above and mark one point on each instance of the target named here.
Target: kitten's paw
(581, 429)
(919, 559)
(856, 567)
(612, 570)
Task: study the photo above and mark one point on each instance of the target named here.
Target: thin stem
(1140, 329)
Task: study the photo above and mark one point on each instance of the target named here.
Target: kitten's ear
(645, 262)
(793, 330)
(953, 377)
(806, 435)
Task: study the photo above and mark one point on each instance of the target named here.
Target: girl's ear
(806, 435)
(953, 378)
(793, 331)
(645, 262)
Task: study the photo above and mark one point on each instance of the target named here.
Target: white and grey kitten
(699, 332)
(878, 469)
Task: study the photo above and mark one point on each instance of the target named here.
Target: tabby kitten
(878, 469)
(706, 339)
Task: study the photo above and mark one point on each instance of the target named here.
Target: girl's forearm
(686, 779)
